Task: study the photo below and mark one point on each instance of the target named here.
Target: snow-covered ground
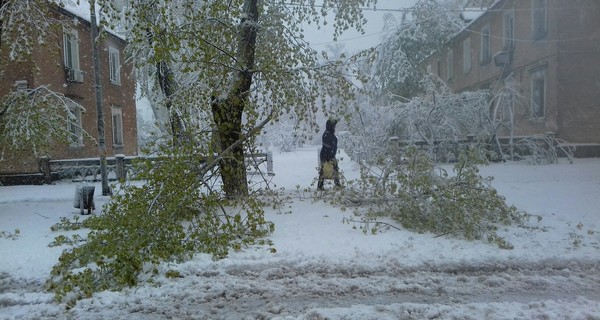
(325, 269)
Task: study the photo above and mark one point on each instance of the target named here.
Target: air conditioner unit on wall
(501, 59)
(75, 75)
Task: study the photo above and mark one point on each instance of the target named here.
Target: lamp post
(99, 108)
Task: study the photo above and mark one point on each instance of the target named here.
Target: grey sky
(353, 40)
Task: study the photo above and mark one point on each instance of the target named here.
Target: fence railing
(121, 167)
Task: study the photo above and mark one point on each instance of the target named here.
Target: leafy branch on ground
(407, 187)
(175, 214)
(370, 225)
(10, 235)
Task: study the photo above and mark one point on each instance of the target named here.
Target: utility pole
(99, 108)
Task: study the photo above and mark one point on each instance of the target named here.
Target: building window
(485, 54)
(71, 55)
(71, 49)
(538, 93)
(117, 126)
(115, 65)
(467, 55)
(450, 64)
(74, 125)
(539, 19)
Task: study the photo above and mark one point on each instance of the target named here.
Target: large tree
(242, 63)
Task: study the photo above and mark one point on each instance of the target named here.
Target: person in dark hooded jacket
(327, 155)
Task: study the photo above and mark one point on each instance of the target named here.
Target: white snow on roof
(81, 9)
(470, 14)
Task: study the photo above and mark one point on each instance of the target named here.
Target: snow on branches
(30, 119)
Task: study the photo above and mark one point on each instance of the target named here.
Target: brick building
(65, 65)
(549, 50)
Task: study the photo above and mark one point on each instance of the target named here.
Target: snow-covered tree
(244, 63)
(31, 119)
(408, 43)
(22, 24)
(439, 118)
(228, 68)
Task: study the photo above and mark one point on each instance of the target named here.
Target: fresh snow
(326, 269)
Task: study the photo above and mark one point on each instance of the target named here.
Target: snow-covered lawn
(325, 269)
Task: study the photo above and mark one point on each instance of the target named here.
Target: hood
(330, 125)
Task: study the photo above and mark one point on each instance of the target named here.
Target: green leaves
(10, 235)
(30, 119)
(174, 215)
(425, 199)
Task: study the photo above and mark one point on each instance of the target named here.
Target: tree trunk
(228, 111)
(167, 85)
(228, 118)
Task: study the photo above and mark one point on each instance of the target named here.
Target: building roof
(81, 9)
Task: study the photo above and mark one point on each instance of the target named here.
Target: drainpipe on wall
(98, 85)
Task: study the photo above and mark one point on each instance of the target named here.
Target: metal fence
(123, 167)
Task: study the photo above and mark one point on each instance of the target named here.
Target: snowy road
(314, 290)
(264, 291)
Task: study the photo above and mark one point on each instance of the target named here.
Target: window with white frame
(538, 93)
(117, 126)
(114, 63)
(539, 18)
(509, 29)
(467, 55)
(485, 55)
(71, 48)
(450, 64)
(74, 124)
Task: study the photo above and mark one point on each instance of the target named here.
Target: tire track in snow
(339, 286)
(290, 290)
(265, 291)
